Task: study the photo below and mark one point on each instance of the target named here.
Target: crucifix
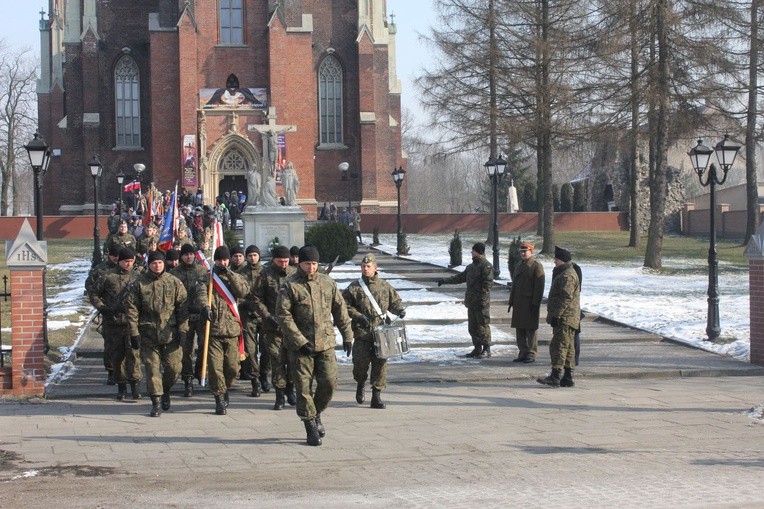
(263, 182)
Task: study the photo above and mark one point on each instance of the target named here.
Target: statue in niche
(291, 185)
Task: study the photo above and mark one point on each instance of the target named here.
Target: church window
(128, 102)
(233, 162)
(330, 100)
(231, 22)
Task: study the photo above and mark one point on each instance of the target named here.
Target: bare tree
(18, 73)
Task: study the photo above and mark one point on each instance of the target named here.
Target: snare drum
(390, 341)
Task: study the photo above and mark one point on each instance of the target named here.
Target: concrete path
(649, 424)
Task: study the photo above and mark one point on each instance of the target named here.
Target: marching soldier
(225, 329)
(194, 278)
(109, 299)
(266, 297)
(152, 234)
(123, 238)
(157, 316)
(365, 317)
(308, 307)
(250, 368)
(91, 283)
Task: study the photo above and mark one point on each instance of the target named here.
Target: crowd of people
(350, 216)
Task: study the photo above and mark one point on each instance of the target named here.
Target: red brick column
(28, 355)
(756, 289)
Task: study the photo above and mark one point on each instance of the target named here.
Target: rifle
(331, 265)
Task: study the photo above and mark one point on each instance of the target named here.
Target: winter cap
(222, 253)
(237, 250)
(294, 251)
(562, 254)
(126, 254)
(280, 252)
(369, 258)
(479, 248)
(114, 250)
(526, 246)
(252, 249)
(156, 255)
(172, 254)
(308, 254)
(186, 249)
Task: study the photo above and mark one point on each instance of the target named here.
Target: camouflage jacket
(360, 305)
(266, 292)
(564, 301)
(225, 324)
(252, 274)
(156, 307)
(143, 245)
(110, 295)
(305, 309)
(126, 240)
(194, 278)
(479, 278)
(95, 276)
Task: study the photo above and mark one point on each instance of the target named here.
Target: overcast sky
(19, 28)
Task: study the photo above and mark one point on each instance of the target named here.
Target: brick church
(194, 91)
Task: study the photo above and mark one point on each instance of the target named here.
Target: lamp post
(39, 157)
(344, 167)
(121, 181)
(95, 171)
(398, 175)
(726, 150)
(495, 169)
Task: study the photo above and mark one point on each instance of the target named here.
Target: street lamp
(95, 171)
(398, 175)
(120, 181)
(344, 167)
(39, 157)
(726, 150)
(495, 169)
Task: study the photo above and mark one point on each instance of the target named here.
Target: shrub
(332, 239)
(455, 250)
(375, 236)
(566, 197)
(230, 238)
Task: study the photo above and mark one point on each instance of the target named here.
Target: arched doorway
(232, 184)
(229, 161)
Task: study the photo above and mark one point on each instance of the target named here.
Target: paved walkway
(649, 424)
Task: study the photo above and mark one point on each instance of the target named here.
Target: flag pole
(206, 342)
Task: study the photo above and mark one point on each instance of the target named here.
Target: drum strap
(371, 298)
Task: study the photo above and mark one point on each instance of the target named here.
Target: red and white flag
(132, 186)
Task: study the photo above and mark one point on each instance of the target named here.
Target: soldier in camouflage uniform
(123, 238)
(251, 271)
(157, 315)
(195, 279)
(365, 318)
(151, 234)
(308, 307)
(91, 283)
(479, 278)
(564, 315)
(266, 297)
(225, 329)
(109, 300)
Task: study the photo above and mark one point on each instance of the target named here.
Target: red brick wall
(55, 227)
(756, 289)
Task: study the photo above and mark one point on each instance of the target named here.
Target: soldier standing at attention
(91, 283)
(251, 271)
(364, 317)
(194, 278)
(563, 310)
(109, 299)
(479, 278)
(309, 305)
(525, 296)
(266, 297)
(158, 319)
(225, 329)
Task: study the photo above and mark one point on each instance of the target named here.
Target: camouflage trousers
(163, 364)
(265, 354)
(321, 366)
(363, 356)
(561, 348)
(124, 360)
(479, 325)
(250, 366)
(223, 363)
(280, 367)
(193, 344)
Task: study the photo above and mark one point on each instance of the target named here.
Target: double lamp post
(726, 150)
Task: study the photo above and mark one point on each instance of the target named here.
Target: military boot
(291, 395)
(360, 393)
(225, 399)
(188, 390)
(475, 352)
(134, 392)
(219, 405)
(376, 399)
(255, 388)
(264, 382)
(485, 353)
(567, 378)
(553, 380)
(279, 405)
(166, 400)
(156, 411)
(320, 426)
(312, 431)
(121, 391)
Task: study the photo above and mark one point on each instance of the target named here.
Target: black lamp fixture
(95, 171)
(39, 157)
(494, 169)
(398, 175)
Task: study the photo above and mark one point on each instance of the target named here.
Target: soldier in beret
(525, 297)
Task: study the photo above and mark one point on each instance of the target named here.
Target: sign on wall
(189, 161)
(233, 98)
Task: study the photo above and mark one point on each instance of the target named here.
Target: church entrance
(232, 183)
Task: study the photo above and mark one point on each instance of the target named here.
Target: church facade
(207, 94)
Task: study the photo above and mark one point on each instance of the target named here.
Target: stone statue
(272, 139)
(254, 185)
(269, 197)
(291, 184)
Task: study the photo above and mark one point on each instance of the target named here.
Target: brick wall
(55, 227)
